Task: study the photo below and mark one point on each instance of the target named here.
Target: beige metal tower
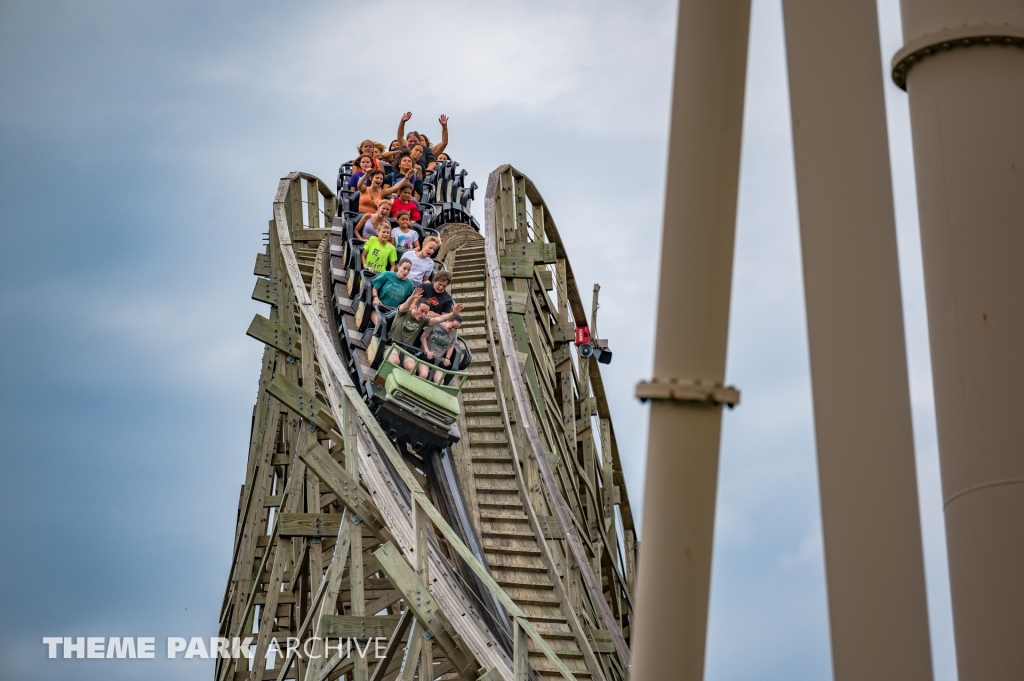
(870, 516)
(689, 356)
(963, 69)
(874, 565)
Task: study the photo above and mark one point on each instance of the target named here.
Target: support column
(690, 342)
(963, 69)
(870, 515)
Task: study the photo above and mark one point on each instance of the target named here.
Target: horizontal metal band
(687, 390)
(948, 39)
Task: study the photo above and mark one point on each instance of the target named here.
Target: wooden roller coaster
(501, 548)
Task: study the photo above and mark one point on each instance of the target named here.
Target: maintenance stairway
(511, 554)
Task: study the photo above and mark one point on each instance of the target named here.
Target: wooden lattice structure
(341, 534)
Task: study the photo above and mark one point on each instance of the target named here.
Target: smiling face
(384, 209)
(377, 180)
(412, 138)
(366, 148)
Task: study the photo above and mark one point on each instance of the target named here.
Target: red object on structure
(582, 335)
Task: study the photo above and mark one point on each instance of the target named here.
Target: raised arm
(417, 293)
(401, 126)
(361, 184)
(388, 155)
(441, 318)
(389, 190)
(440, 146)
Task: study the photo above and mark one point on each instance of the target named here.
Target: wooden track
(339, 532)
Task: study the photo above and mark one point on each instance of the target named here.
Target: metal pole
(963, 69)
(690, 343)
(870, 516)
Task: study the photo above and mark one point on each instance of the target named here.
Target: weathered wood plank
(308, 524)
(538, 252)
(266, 331)
(516, 302)
(302, 403)
(521, 268)
(265, 291)
(262, 266)
(545, 278)
(394, 643)
(427, 612)
(311, 234)
(361, 627)
(348, 491)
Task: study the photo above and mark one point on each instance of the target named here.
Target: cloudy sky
(140, 147)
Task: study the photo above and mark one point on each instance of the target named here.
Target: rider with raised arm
(409, 322)
(406, 170)
(371, 190)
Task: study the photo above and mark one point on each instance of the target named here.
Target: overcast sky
(140, 148)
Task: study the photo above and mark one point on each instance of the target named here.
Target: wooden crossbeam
(285, 340)
(302, 403)
(262, 266)
(308, 524)
(428, 614)
(360, 627)
(537, 252)
(348, 491)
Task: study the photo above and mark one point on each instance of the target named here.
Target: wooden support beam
(394, 644)
(427, 612)
(537, 252)
(265, 291)
(412, 652)
(520, 268)
(357, 597)
(360, 627)
(348, 491)
(329, 599)
(520, 653)
(262, 266)
(303, 403)
(312, 234)
(516, 302)
(266, 331)
(308, 524)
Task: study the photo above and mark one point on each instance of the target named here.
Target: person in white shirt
(422, 260)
